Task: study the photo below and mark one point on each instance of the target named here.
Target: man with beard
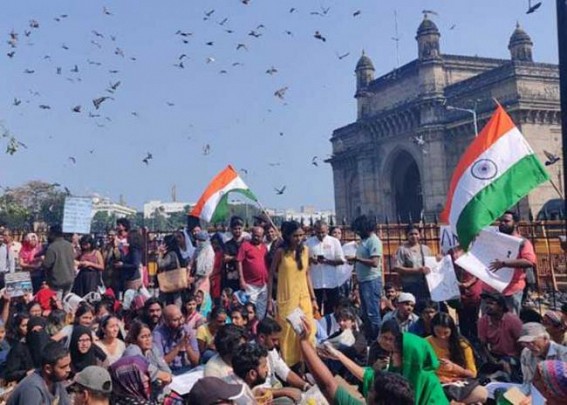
(230, 274)
(45, 385)
(151, 315)
(250, 366)
(268, 337)
(526, 259)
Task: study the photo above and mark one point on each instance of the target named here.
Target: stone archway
(407, 196)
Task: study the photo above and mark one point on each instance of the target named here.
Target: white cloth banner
(344, 272)
(489, 246)
(442, 281)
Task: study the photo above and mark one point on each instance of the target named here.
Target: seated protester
(387, 388)
(84, 352)
(530, 315)
(403, 314)
(55, 321)
(423, 325)
(328, 324)
(204, 303)
(34, 309)
(45, 385)
(457, 372)
(193, 319)
(226, 298)
(390, 299)
(25, 353)
(92, 386)
(152, 313)
(131, 382)
(212, 391)
(410, 355)
(498, 333)
(140, 343)
(176, 342)
(537, 347)
(357, 350)
(555, 327)
(84, 315)
(110, 338)
(551, 381)
(253, 321)
(206, 333)
(227, 340)
(250, 365)
(239, 316)
(268, 337)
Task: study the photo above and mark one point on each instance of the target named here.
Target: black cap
(494, 296)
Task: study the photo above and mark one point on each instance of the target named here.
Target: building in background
(165, 208)
(396, 160)
(118, 210)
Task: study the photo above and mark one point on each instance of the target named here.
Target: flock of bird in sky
(98, 39)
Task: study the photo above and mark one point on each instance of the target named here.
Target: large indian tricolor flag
(213, 204)
(497, 170)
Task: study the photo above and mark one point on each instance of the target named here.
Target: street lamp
(471, 111)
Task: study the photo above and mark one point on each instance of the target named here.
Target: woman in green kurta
(409, 355)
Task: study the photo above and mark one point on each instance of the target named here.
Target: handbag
(173, 280)
(459, 390)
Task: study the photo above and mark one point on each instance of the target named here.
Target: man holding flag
(497, 170)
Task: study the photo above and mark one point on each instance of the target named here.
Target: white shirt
(325, 275)
(216, 367)
(276, 367)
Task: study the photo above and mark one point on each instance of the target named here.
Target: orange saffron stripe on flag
(220, 180)
(500, 123)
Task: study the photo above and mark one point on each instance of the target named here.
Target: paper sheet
(344, 272)
(487, 247)
(442, 281)
(183, 383)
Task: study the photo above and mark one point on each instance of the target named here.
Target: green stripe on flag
(492, 201)
(222, 210)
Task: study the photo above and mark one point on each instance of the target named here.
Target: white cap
(406, 297)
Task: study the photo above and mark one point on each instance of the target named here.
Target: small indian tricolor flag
(497, 170)
(213, 204)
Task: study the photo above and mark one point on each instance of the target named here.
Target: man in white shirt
(227, 339)
(7, 256)
(325, 255)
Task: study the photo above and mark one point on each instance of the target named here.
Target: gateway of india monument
(396, 160)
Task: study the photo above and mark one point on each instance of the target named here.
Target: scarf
(554, 376)
(131, 380)
(79, 360)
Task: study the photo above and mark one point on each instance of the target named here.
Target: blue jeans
(370, 294)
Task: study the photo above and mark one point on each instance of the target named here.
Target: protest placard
(77, 215)
(18, 284)
(442, 281)
(489, 246)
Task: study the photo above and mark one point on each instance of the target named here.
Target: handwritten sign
(77, 215)
(442, 281)
(489, 246)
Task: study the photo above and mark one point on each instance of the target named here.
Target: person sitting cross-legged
(403, 314)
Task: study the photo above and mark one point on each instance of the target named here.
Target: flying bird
(341, 57)
(16, 102)
(34, 24)
(11, 54)
(418, 140)
(314, 161)
(452, 27)
(255, 34)
(29, 71)
(114, 86)
(280, 191)
(551, 158)
(72, 159)
(319, 36)
(245, 171)
(119, 52)
(224, 21)
(169, 103)
(106, 11)
(179, 65)
(77, 109)
(97, 34)
(272, 70)
(58, 70)
(147, 159)
(241, 46)
(533, 8)
(65, 47)
(75, 69)
(98, 101)
(322, 13)
(208, 14)
(291, 10)
(210, 43)
(206, 149)
(356, 13)
(210, 59)
(280, 93)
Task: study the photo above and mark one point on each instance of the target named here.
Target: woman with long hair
(84, 352)
(84, 316)
(19, 362)
(206, 333)
(91, 266)
(455, 353)
(30, 260)
(169, 258)
(410, 265)
(215, 279)
(131, 263)
(291, 263)
(110, 338)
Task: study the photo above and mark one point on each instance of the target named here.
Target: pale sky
(235, 113)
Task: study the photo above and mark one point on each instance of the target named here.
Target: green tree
(102, 222)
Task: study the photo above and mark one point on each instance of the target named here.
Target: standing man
(325, 254)
(45, 385)
(59, 262)
(251, 263)
(526, 259)
(231, 247)
(7, 259)
(368, 268)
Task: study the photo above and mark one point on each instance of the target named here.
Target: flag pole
(263, 210)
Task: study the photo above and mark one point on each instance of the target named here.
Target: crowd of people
(265, 315)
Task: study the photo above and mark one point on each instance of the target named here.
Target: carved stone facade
(397, 159)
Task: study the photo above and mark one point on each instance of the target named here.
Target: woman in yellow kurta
(294, 289)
